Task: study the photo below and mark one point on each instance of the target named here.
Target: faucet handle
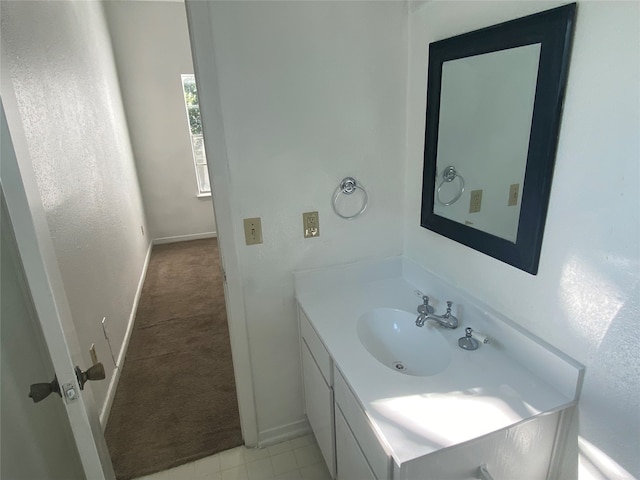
(425, 308)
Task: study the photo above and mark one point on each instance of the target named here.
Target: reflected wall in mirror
(494, 101)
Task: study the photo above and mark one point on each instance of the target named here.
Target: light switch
(253, 231)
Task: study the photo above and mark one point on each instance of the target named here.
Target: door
(50, 305)
(36, 439)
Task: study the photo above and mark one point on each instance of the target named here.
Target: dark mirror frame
(553, 29)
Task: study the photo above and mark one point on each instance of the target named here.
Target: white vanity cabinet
(318, 391)
(353, 451)
(504, 411)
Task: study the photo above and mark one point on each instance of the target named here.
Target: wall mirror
(494, 102)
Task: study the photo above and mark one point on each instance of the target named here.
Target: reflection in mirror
(486, 105)
(494, 103)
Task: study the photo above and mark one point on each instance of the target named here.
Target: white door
(41, 271)
(36, 438)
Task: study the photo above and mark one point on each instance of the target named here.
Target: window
(195, 131)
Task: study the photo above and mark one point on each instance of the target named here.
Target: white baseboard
(283, 433)
(184, 238)
(115, 378)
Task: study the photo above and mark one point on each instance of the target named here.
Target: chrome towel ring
(348, 185)
(449, 175)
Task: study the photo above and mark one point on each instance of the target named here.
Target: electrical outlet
(311, 224)
(253, 231)
(93, 354)
(475, 203)
(514, 190)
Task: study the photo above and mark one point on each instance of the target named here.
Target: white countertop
(480, 392)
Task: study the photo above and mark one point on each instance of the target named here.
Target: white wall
(585, 298)
(310, 92)
(69, 105)
(151, 48)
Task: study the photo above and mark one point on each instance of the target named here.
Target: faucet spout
(448, 320)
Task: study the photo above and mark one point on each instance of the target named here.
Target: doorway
(96, 205)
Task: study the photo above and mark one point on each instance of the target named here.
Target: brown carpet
(176, 399)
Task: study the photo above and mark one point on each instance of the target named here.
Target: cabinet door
(352, 465)
(318, 400)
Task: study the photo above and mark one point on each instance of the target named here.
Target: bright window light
(195, 131)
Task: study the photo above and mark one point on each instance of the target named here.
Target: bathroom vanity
(389, 400)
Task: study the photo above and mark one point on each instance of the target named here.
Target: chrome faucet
(426, 312)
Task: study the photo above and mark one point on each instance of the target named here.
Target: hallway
(176, 399)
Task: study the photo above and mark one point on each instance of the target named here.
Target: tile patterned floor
(297, 459)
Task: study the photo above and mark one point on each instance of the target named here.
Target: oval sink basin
(392, 337)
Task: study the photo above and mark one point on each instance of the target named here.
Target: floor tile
(234, 473)
(292, 475)
(284, 462)
(232, 458)
(180, 473)
(208, 476)
(279, 448)
(308, 455)
(302, 441)
(315, 472)
(253, 454)
(260, 470)
(207, 467)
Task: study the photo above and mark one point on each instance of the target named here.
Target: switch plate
(514, 190)
(94, 355)
(253, 231)
(311, 224)
(475, 203)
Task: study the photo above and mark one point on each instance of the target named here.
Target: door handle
(94, 372)
(40, 391)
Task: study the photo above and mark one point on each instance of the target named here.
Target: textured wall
(65, 82)
(585, 298)
(310, 92)
(151, 48)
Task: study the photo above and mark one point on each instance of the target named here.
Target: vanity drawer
(378, 459)
(316, 347)
(522, 451)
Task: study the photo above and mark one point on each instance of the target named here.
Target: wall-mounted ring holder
(449, 175)
(348, 186)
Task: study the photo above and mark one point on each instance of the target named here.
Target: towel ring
(448, 176)
(348, 185)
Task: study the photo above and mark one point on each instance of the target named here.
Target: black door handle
(40, 391)
(94, 372)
